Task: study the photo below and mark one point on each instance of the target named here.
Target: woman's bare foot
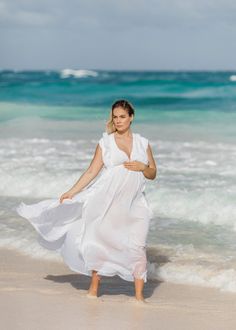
(140, 298)
(89, 295)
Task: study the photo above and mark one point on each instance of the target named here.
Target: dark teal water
(186, 95)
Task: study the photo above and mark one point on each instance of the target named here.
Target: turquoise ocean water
(50, 122)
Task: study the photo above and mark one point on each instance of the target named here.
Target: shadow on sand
(112, 285)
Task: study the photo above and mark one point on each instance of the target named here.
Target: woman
(100, 225)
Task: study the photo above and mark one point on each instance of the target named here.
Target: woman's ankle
(139, 296)
(96, 276)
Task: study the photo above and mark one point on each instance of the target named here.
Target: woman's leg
(93, 289)
(139, 270)
(139, 284)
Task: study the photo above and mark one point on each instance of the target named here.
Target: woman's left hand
(135, 166)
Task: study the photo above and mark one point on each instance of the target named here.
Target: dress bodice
(114, 156)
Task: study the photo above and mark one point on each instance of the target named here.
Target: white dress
(103, 227)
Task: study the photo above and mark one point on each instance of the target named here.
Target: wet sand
(38, 294)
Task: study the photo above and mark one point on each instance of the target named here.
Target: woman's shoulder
(104, 139)
(105, 135)
(144, 140)
(141, 136)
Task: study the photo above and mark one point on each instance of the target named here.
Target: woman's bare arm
(92, 171)
(150, 171)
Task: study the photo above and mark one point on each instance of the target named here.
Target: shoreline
(45, 294)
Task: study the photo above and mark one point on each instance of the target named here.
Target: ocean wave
(66, 73)
(183, 264)
(195, 184)
(205, 206)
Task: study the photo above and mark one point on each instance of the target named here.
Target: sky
(118, 35)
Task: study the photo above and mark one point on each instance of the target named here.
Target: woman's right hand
(67, 194)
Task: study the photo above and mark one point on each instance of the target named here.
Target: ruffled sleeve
(142, 145)
(104, 143)
(101, 143)
(144, 142)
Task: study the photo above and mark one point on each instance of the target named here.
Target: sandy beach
(38, 294)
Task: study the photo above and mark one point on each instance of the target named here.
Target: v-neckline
(133, 135)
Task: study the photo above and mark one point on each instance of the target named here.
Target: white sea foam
(232, 78)
(187, 265)
(194, 181)
(205, 206)
(65, 73)
(32, 249)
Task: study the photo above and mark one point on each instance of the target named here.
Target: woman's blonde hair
(110, 127)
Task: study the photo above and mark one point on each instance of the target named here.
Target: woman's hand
(135, 166)
(67, 194)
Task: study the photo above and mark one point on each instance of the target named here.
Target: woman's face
(121, 119)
